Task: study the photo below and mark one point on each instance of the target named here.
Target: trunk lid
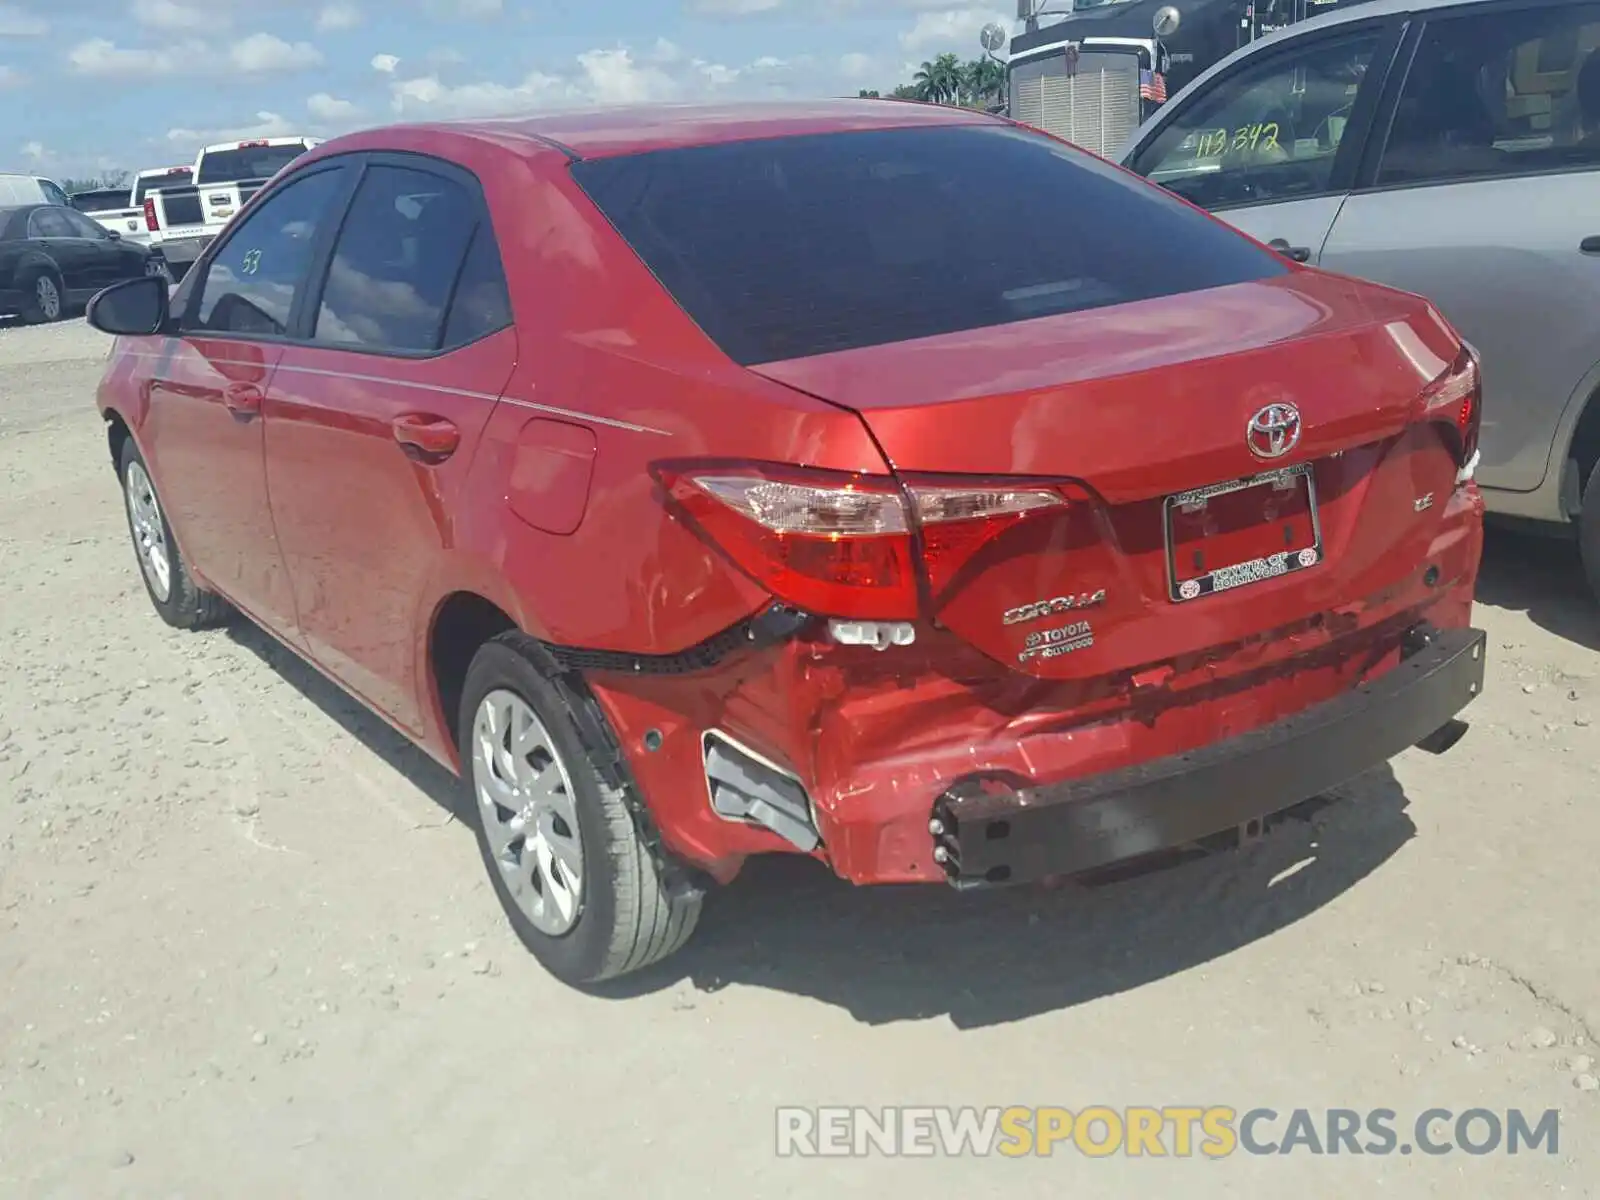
(1140, 403)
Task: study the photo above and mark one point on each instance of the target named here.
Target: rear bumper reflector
(988, 833)
(746, 787)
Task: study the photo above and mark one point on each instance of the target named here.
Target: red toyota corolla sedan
(885, 483)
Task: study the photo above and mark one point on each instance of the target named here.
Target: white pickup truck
(225, 176)
(123, 209)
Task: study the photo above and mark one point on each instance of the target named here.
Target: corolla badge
(1273, 431)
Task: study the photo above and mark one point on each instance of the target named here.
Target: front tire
(565, 858)
(1589, 531)
(172, 590)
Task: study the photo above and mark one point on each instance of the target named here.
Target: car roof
(604, 132)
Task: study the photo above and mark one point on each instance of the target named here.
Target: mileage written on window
(1214, 143)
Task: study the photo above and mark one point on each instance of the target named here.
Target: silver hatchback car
(1450, 148)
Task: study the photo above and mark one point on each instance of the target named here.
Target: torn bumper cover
(988, 833)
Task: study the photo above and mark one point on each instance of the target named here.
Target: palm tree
(983, 80)
(940, 80)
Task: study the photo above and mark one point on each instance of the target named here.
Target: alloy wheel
(48, 296)
(149, 531)
(529, 812)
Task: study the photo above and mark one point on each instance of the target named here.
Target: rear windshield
(153, 183)
(249, 162)
(788, 247)
(93, 202)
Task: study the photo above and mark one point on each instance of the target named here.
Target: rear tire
(46, 302)
(180, 602)
(1589, 531)
(541, 809)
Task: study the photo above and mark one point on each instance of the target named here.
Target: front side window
(396, 261)
(1501, 93)
(83, 227)
(793, 246)
(251, 285)
(53, 194)
(1269, 131)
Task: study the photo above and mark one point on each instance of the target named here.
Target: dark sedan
(53, 258)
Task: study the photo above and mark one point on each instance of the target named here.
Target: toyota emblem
(1274, 431)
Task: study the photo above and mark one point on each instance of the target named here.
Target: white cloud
(170, 15)
(261, 53)
(104, 58)
(10, 77)
(427, 96)
(951, 29)
(611, 76)
(258, 54)
(330, 108)
(385, 63)
(338, 16)
(14, 22)
(267, 124)
(35, 152)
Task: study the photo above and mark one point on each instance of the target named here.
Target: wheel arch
(1584, 446)
(461, 622)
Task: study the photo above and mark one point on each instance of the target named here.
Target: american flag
(1153, 86)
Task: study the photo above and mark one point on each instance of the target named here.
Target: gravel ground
(246, 950)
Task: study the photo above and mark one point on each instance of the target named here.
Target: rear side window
(396, 261)
(49, 223)
(481, 306)
(788, 247)
(1500, 92)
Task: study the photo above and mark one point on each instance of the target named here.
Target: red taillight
(150, 215)
(1457, 396)
(957, 521)
(845, 545)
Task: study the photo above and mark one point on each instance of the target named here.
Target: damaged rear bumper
(988, 833)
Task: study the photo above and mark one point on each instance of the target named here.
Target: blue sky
(87, 85)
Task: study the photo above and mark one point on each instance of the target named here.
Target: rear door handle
(429, 436)
(1590, 245)
(242, 398)
(1300, 254)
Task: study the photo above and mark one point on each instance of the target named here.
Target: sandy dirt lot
(247, 951)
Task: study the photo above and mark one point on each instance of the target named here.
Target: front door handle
(427, 436)
(1590, 245)
(242, 398)
(1300, 254)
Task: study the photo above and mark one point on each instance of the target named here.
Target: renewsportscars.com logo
(1214, 1131)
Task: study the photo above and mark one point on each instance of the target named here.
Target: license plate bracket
(1230, 535)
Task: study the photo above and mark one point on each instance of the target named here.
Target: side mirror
(113, 235)
(133, 308)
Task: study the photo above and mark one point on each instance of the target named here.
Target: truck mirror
(1166, 21)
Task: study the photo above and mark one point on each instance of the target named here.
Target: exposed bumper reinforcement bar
(987, 833)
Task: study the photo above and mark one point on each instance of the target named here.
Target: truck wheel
(1589, 530)
(565, 858)
(44, 303)
(181, 603)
